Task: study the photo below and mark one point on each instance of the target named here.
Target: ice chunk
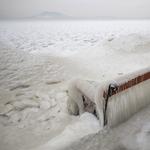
(48, 114)
(42, 95)
(15, 118)
(72, 107)
(45, 105)
(60, 96)
(53, 102)
(6, 109)
(25, 103)
(21, 126)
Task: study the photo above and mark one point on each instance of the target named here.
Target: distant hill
(50, 15)
(57, 15)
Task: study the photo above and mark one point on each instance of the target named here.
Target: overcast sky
(77, 8)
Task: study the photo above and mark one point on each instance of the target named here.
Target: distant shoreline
(60, 16)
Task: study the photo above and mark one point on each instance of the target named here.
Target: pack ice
(37, 61)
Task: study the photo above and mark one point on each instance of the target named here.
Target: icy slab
(45, 105)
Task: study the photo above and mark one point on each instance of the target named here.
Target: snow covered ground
(38, 59)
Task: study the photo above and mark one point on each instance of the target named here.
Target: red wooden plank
(131, 83)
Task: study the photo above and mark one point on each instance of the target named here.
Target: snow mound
(84, 125)
(128, 43)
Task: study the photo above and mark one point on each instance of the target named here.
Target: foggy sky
(77, 8)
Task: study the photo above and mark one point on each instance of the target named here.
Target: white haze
(77, 8)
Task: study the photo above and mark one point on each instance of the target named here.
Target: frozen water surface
(64, 36)
(37, 59)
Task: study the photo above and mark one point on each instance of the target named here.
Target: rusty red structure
(130, 83)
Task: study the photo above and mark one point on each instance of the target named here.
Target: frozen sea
(39, 58)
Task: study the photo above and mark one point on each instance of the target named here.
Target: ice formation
(121, 106)
(126, 103)
(34, 85)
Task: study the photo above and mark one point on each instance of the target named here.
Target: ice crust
(34, 85)
(127, 43)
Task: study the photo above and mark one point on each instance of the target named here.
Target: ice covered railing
(112, 101)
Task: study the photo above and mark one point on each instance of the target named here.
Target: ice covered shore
(33, 96)
(33, 89)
